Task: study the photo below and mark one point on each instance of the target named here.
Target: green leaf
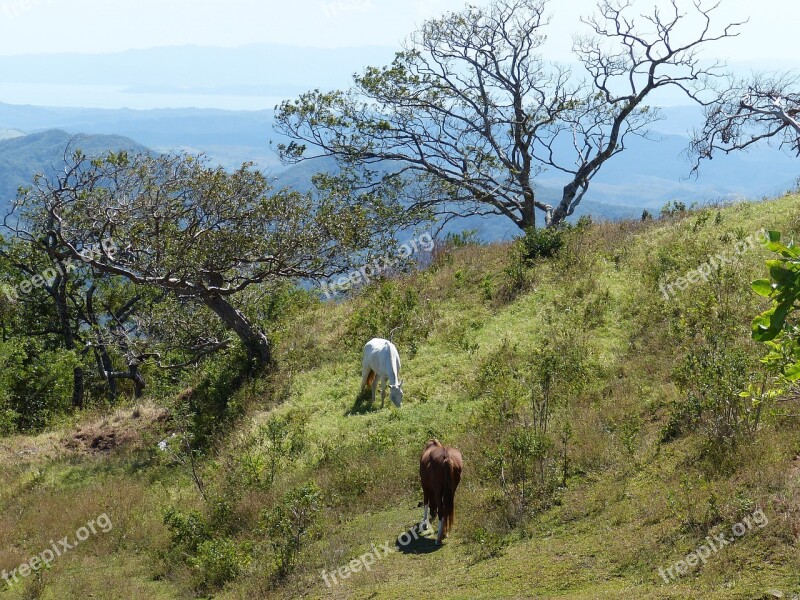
(762, 327)
(783, 275)
(779, 248)
(782, 309)
(763, 287)
(792, 372)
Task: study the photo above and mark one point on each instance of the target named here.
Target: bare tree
(749, 111)
(470, 114)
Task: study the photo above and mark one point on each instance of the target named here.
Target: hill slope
(22, 156)
(621, 486)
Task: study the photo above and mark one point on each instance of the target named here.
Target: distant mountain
(646, 176)
(227, 137)
(23, 156)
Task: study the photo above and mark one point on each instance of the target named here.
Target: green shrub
(187, 531)
(219, 560)
(387, 306)
(543, 242)
(524, 396)
(289, 524)
(264, 453)
(36, 384)
(673, 209)
(211, 404)
(468, 237)
(214, 559)
(714, 368)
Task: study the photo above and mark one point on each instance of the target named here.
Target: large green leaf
(763, 330)
(763, 287)
(783, 275)
(792, 371)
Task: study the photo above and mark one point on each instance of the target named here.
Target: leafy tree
(43, 287)
(469, 114)
(61, 300)
(203, 235)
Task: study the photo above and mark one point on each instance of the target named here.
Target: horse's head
(396, 394)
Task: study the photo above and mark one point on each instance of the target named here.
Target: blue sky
(96, 26)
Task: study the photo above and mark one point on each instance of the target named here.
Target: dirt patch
(126, 428)
(101, 441)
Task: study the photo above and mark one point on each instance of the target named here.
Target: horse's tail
(448, 495)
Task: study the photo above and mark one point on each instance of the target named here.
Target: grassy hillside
(629, 478)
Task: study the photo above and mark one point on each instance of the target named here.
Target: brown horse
(439, 471)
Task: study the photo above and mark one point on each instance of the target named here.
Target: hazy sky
(96, 26)
(103, 26)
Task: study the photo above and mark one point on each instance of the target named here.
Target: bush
(219, 561)
(35, 385)
(210, 404)
(711, 377)
(385, 307)
(542, 242)
(275, 442)
(525, 395)
(187, 531)
(715, 369)
(215, 560)
(468, 237)
(290, 524)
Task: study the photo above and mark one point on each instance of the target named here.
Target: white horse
(382, 364)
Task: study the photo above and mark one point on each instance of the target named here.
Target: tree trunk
(59, 294)
(138, 381)
(561, 211)
(255, 342)
(77, 387)
(528, 220)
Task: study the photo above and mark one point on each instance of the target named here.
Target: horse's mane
(431, 443)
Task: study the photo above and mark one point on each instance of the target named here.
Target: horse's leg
(425, 501)
(440, 509)
(383, 391)
(365, 371)
(374, 387)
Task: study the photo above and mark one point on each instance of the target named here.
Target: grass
(632, 503)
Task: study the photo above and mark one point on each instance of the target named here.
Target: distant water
(118, 96)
